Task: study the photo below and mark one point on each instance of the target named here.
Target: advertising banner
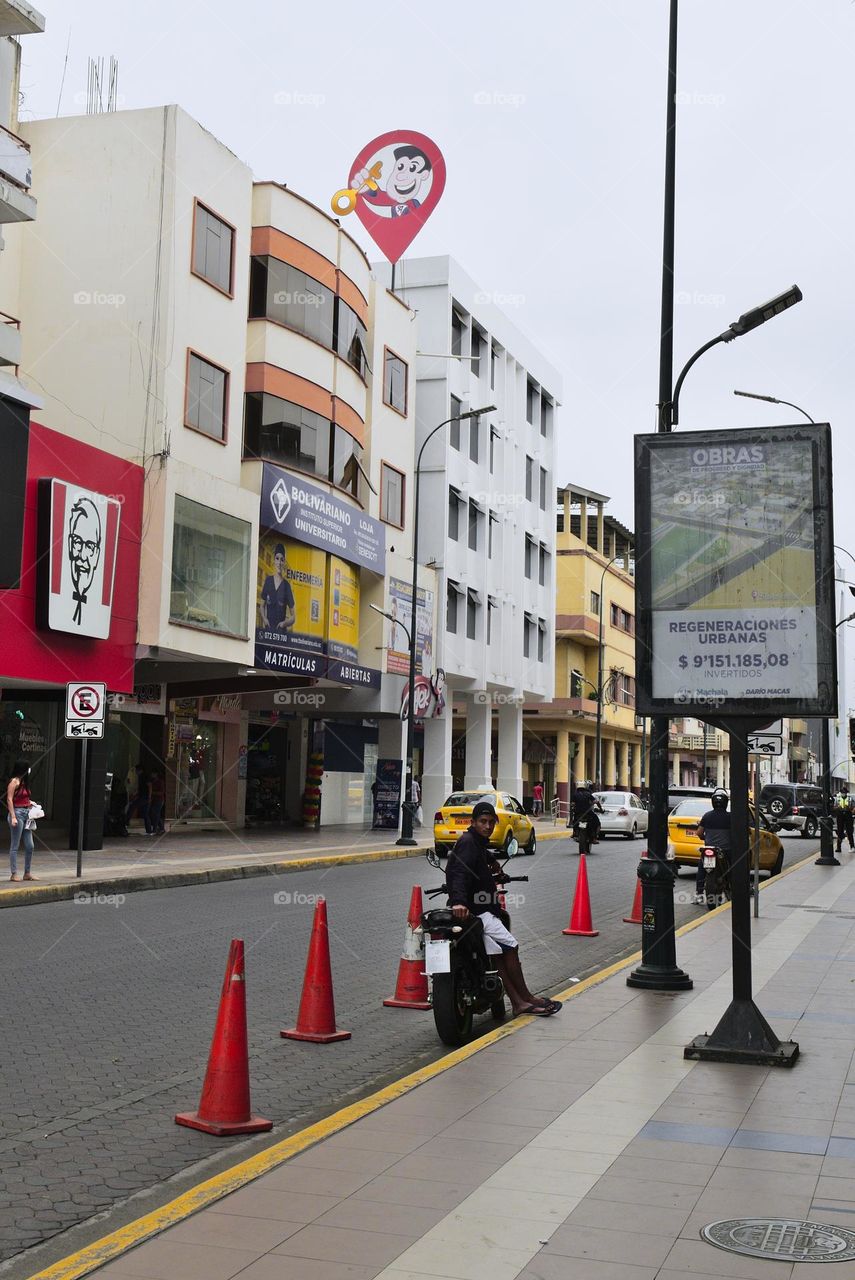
(294, 508)
(386, 793)
(342, 611)
(401, 609)
(734, 568)
(290, 606)
(78, 536)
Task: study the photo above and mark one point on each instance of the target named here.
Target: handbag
(35, 811)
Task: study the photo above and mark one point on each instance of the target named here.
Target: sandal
(29, 877)
(545, 1010)
(14, 877)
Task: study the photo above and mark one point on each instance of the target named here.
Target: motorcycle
(717, 876)
(462, 978)
(586, 829)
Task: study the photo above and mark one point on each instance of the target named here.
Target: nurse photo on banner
(290, 600)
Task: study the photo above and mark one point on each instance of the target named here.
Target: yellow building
(594, 649)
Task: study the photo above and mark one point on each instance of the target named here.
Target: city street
(110, 1008)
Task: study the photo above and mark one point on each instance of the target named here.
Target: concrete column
(580, 764)
(719, 769)
(562, 767)
(675, 768)
(608, 769)
(479, 719)
(636, 766)
(436, 775)
(509, 776)
(623, 763)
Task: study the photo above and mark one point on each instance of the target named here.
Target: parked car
(454, 817)
(794, 806)
(676, 794)
(623, 814)
(684, 845)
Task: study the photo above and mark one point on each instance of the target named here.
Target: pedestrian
(537, 799)
(18, 801)
(844, 818)
(416, 801)
(154, 808)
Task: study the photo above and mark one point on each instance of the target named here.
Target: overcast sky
(551, 118)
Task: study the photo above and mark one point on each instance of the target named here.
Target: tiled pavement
(583, 1145)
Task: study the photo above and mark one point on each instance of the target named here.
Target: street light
(406, 836)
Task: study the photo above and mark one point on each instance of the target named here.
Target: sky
(551, 117)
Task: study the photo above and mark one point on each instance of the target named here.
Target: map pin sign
(395, 183)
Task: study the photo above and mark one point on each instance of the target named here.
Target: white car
(624, 814)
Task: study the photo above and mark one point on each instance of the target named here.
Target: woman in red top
(18, 802)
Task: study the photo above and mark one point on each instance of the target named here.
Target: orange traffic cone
(580, 916)
(411, 989)
(224, 1106)
(634, 916)
(316, 1017)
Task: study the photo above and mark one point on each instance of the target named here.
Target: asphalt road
(108, 1009)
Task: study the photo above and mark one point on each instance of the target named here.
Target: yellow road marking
(135, 1233)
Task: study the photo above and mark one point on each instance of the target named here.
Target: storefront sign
(294, 508)
(735, 572)
(78, 540)
(342, 611)
(291, 606)
(353, 674)
(401, 609)
(430, 697)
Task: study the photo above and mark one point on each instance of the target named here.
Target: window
(455, 410)
(494, 436)
(394, 381)
(493, 524)
(474, 515)
(472, 603)
(577, 684)
(457, 327)
(545, 416)
(543, 480)
(290, 297)
(494, 360)
(529, 478)
(528, 627)
(453, 514)
(451, 599)
(478, 342)
(530, 553)
(492, 606)
(544, 566)
(621, 619)
(474, 433)
(541, 639)
(207, 397)
(210, 566)
(622, 687)
(595, 602)
(350, 337)
(530, 401)
(213, 249)
(292, 436)
(391, 495)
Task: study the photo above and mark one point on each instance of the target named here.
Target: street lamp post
(406, 837)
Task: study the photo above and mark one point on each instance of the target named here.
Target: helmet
(719, 800)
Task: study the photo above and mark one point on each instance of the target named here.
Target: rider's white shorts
(496, 937)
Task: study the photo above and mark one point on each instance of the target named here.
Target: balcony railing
(15, 159)
(695, 741)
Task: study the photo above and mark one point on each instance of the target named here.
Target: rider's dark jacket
(468, 877)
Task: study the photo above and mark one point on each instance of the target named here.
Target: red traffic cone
(580, 916)
(224, 1106)
(316, 1017)
(411, 989)
(634, 916)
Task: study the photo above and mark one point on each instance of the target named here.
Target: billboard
(290, 606)
(734, 572)
(80, 530)
(295, 508)
(401, 611)
(342, 611)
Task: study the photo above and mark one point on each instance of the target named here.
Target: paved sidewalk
(579, 1146)
(190, 855)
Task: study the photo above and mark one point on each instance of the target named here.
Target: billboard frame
(715, 708)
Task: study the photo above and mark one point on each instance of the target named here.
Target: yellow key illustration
(344, 201)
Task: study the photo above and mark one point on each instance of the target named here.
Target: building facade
(486, 524)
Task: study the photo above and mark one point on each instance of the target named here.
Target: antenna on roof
(97, 86)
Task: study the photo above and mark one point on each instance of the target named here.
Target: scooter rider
(714, 829)
(586, 805)
(470, 877)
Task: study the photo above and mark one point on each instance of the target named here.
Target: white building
(486, 521)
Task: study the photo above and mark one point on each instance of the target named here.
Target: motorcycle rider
(472, 890)
(714, 829)
(586, 805)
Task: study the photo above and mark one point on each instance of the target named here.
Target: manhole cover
(784, 1238)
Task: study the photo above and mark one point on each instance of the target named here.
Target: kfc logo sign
(78, 535)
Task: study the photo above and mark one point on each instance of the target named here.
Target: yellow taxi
(684, 845)
(454, 817)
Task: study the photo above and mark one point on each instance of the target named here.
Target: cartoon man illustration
(84, 550)
(410, 175)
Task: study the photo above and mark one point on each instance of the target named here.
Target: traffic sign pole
(82, 805)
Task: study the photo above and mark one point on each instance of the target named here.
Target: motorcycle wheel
(498, 1010)
(453, 1018)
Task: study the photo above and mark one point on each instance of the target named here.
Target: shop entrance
(266, 775)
